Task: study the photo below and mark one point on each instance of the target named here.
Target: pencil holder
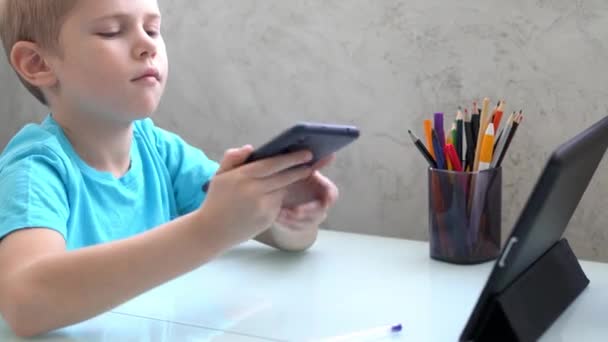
(465, 215)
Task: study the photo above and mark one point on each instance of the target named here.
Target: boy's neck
(102, 144)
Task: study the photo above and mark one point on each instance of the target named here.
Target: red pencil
(450, 152)
(498, 114)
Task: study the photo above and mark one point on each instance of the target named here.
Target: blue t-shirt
(44, 183)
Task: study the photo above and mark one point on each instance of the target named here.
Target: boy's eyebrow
(125, 16)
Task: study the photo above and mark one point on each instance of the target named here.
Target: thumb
(234, 157)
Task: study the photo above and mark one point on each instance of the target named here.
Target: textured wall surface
(242, 71)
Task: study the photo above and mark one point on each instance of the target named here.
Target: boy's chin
(142, 111)
(130, 115)
(135, 117)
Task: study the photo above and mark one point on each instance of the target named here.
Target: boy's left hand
(307, 202)
(304, 207)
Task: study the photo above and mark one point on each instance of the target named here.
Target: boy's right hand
(244, 200)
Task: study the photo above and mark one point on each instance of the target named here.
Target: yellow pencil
(483, 125)
(487, 148)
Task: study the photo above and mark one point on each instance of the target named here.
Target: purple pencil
(439, 128)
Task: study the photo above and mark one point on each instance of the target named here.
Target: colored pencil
(487, 144)
(425, 153)
(501, 135)
(428, 128)
(483, 125)
(439, 129)
(498, 115)
(516, 122)
(469, 138)
(459, 135)
(450, 152)
(439, 158)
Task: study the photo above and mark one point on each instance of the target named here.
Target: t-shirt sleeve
(33, 194)
(188, 167)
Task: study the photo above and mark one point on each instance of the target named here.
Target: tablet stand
(525, 309)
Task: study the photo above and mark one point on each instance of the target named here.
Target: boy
(98, 205)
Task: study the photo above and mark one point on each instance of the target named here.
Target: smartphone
(319, 138)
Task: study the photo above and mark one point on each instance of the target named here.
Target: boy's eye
(108, 34)
(152, 33)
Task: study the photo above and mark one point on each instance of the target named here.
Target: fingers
(234, 157)
(306, 215)
(297, 224)
(303, 211)
(330, 191)
(285, 178)
(324, 162)
(269, 166)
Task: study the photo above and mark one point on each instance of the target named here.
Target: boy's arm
(43, 286)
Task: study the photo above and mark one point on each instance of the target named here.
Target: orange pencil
(487, 148)
(428, 129)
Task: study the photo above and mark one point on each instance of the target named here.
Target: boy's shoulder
(145, 128)
(34, 139)
(47, 137)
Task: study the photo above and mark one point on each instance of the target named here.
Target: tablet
(545, 216)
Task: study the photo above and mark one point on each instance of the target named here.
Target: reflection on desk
(344, 283)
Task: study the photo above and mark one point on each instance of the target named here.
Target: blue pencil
(439, 156)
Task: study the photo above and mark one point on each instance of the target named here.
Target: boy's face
(113, 60)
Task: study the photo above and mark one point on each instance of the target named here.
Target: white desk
(346, 282)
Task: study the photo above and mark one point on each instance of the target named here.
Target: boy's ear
(30, 64)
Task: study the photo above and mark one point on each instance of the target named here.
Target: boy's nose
(146, 47)
(146, 53)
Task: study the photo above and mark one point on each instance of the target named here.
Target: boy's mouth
(150, 73)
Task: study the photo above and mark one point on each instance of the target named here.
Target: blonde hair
(37, 21)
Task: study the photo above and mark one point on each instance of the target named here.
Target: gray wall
(242, 71)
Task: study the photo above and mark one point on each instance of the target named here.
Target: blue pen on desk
(368, 334)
